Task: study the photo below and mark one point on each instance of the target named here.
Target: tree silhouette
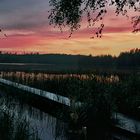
(70, 13)
(2, 33)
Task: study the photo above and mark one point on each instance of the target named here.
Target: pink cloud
(17, 42)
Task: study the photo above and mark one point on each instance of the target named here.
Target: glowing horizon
(27, 28)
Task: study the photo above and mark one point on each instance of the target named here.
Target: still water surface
(47, 126)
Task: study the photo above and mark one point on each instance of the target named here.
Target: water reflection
(47, 126)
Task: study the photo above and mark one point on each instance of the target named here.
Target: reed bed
(121, 90)
(102, 94)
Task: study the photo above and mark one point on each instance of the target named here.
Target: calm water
(24, 64)
(47, 126)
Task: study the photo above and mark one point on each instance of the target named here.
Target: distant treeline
(129, 59)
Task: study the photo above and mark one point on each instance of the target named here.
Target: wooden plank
(127, 123)
(45, 94)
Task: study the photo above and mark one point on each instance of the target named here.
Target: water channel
(47, 126)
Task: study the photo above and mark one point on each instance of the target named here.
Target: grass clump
(13, 126)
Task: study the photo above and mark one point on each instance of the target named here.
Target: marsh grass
(121, 89)
(13, 126)
(102, 95)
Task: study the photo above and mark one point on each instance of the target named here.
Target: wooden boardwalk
(124, 122)
(45, 94)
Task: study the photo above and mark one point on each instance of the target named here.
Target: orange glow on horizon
(117, 37)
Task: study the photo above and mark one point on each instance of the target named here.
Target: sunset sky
(27, 27)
